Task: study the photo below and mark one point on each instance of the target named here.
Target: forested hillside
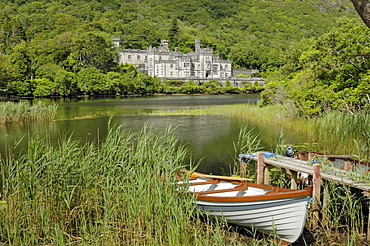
(62, 47)
(331, 72)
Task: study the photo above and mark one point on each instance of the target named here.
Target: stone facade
(164, 63)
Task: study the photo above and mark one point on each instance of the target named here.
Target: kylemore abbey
(200, 66)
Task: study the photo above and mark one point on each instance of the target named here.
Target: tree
(326, 76)
(11, 32)
(363, 9)
(91, 81)
(65, 82)
(20, 88)
(8, 71)
(92, 50)
(22, 60)
(47, 71)
(115, 83)
(173, 34)
(43, 87)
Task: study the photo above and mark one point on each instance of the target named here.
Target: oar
(196, 174)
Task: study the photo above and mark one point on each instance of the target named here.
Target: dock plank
(335, 174)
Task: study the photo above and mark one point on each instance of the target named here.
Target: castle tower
(197, 45)
(116, 41)
(164, 45)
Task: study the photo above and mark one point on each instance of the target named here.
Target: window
(171, 65)
(129, 57)
(138, 57)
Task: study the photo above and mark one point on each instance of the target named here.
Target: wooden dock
(315, 172)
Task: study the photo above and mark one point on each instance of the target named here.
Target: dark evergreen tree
(173, 34)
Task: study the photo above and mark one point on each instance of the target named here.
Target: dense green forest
(327, 73)
(64, 47)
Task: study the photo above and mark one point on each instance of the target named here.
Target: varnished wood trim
(272, 196)
(236, 188)
(211, 181)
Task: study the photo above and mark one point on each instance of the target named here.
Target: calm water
(209, 138)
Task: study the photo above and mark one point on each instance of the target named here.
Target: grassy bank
(334, 132)
(118, 193)
(23, 112)
(344, 212)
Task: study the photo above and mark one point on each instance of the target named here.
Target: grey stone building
(199, 66)
(164, 63)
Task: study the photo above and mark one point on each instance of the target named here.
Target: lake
(208, 138)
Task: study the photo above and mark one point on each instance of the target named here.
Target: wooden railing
(314, 171)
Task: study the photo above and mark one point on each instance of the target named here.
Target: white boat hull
(283, 218)
(276, 212)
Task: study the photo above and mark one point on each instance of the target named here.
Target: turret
(116, 41)
(164, 45)
(197, 45)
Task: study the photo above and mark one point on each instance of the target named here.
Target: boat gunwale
(263, 197)
(274, 192)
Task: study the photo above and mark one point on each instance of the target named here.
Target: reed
(333, 132)
(248, 142)
(343, 133)
(118, 193)
(341, 213)
(22, 112)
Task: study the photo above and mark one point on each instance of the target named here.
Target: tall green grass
(333, 132)
(343, 133)
(344, 209)
(23, 112)
(118, 193)
(343, 216)
(248, 142)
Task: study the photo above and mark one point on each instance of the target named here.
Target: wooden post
(243, 167)
(316, 193)
(316, 182)
(260, 168)
(325, 205)
(347, 166)
(368, 226)
(266, 176)
(367, 194)
(293, 180)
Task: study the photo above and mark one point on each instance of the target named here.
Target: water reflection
(209, 138)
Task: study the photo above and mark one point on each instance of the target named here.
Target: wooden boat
(275, 212)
